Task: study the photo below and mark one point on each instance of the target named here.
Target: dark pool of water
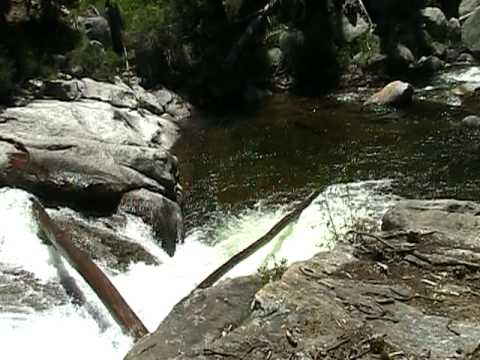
(294, 145)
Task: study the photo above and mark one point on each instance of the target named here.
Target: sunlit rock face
(84, 144)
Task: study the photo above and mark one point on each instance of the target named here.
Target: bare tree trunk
(93, 275)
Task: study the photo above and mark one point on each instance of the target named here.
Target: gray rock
(452, 219)
(101, 243)
(62, 90)
(395, 93)
(97, 28)
(428, 65)
(21, 291)
(205, 316)
(454, 29)
(472, 121)
(435, 22)
(401, 58)
(88, 151)
(163, 96)
(467, 6)
(471, 32)
(164, 215)
(434, 47)
(149, 101)
(466, 58)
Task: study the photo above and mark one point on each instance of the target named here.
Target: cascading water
(51, 327)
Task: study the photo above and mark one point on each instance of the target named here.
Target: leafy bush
(272, 270)
(363, 48)
(93, 61)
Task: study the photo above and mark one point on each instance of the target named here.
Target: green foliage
(272, 270)
(92, 61)
(360, 50)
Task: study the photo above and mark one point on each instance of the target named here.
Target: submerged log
(93, 275)
(258, 244)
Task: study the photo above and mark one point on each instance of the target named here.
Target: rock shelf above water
(84, 144)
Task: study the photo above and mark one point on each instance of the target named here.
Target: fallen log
(93, 275)
(264, 240)
(71, 287)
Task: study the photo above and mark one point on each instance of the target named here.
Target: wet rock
(451, 55)
(86, 150)
(467, 6)
(472, 121)
(178, 108)
(101, 243)
(396, 93)
(87, 143)
(471, 32)
(164, 215)
(21, 291)
(401, 58)
(466, 58)
(455, 221)
(428, 65)
(435, 22)
(205, 316)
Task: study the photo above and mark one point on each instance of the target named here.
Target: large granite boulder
(86, 143)
(408, 292)
(471, 32)
(396, 93)
(467, 6)
(102, 243)
(164, 215)
(435, 22)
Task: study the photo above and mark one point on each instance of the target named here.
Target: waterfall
(37, 320)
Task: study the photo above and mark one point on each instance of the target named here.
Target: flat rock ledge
(85, 144)
(410, 291)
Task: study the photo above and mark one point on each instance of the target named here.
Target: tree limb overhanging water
(93, 275)
(258, 244)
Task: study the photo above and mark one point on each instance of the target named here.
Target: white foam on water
(332, 214)
(466, 75)
(64, 332)
(18, 233)
(152, 291)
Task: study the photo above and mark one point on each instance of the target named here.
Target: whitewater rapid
(69, 332)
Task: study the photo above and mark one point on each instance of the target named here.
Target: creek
(241, 174)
